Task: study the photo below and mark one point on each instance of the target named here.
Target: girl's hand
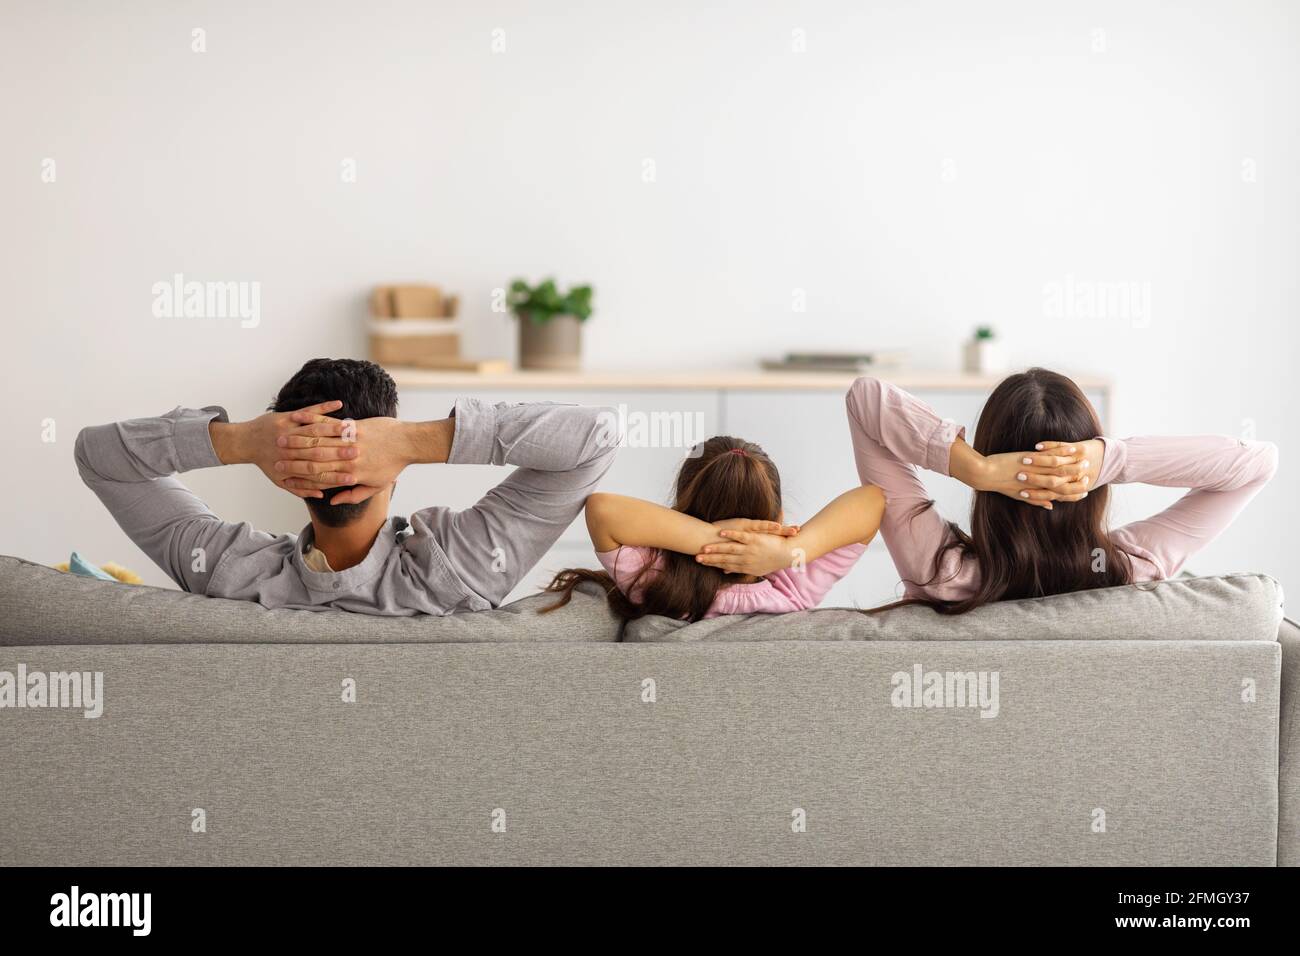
(748, 552)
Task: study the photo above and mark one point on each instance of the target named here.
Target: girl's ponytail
(721, 478)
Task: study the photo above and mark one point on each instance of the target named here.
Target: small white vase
(983, 357)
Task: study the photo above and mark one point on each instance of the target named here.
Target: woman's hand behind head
(1054, 471)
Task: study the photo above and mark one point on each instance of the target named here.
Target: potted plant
(983, 354)
(550, 324)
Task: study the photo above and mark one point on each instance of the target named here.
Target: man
(332, 438)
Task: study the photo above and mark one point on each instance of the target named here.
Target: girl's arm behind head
(615, 521)
(852, 518)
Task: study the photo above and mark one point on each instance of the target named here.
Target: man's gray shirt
(439, 562)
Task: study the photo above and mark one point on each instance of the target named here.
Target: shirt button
(336, 585)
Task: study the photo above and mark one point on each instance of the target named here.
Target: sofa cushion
(39, 605)
(1231, 607)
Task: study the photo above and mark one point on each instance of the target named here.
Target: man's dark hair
(365, 390)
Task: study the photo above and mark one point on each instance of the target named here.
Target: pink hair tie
(739, 451)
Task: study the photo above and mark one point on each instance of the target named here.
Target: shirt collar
(340, 582)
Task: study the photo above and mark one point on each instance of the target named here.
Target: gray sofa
(1140, 725)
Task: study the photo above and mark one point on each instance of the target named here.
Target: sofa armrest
(1288, 752)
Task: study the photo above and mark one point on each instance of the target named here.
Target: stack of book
(856, 363)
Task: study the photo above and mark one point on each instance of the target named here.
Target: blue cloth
(79, 565)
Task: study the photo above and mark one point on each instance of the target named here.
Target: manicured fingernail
(1021, 477)
(1084, 463)
(1024, 494)
(1049, 506)
(1085, 494)
(282, 441)
(1085, 479)
(1026, 461)
(279, 466)
(1038, 447)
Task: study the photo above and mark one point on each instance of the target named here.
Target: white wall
(918, 169)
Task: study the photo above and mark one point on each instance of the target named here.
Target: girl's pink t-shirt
(786, 590)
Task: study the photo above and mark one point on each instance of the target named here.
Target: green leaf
(544, 302)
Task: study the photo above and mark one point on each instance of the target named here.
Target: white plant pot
(984, 357)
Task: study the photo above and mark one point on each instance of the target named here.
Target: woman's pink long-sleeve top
(894, 433)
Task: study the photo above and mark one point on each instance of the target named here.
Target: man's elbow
(81, 455)
(606, 432)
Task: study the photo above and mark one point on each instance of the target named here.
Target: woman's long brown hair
(1023, 551)
(723, 478)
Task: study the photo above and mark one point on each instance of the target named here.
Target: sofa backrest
(1231, 607)
(39, 605)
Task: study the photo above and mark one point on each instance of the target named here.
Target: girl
(729, 490)
(1037, 443)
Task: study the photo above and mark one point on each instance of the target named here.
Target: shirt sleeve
(805, 587)
(560, 453)
(1223, 475)
(894, 433)
(131, 467)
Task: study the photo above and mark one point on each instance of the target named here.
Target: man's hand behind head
(371, 453)
(254, 442)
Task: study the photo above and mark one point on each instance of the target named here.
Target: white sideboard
(797, 417)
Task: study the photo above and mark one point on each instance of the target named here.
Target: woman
(728, 488)
(1041, 473)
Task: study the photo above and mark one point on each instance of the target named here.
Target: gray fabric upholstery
(739, 738)
(697, 743)
(39, 605)
(1288, 771)
(1235, 607)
